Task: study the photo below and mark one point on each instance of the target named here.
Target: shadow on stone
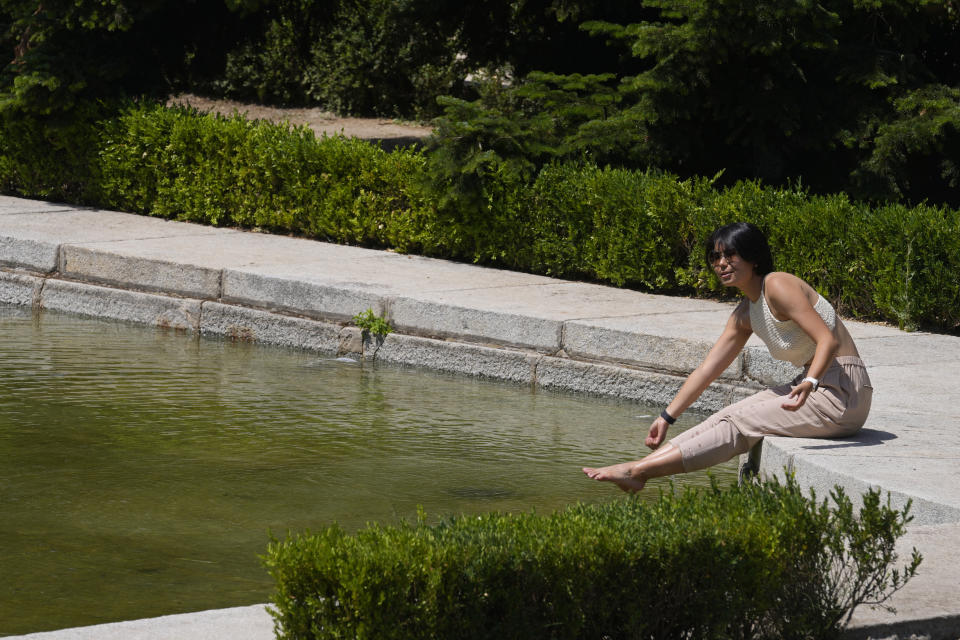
(863, 438)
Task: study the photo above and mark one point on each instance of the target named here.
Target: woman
(831, 398)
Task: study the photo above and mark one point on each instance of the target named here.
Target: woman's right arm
(723, 352)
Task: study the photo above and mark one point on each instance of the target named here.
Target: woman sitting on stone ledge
(831, 398)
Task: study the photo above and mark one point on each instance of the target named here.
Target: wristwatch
(812, 380)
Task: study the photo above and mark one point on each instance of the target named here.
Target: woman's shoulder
(780, 279)
(781, 287)
(781, 283)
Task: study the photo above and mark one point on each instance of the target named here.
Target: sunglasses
(714, 256)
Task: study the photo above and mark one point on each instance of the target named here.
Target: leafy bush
(270, 70)
(50, 158)
(372, 56)
(759, 561)
(620, 226)
(377, 57)
(179, 164)
(911, 258)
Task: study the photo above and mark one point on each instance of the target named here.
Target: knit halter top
(785, 339)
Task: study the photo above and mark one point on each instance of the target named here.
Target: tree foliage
(351, 56)
(392, 57)
(767, 90)
(70, 51)
(386, 57)
(915, 151)
(823, 92)
(859, 96)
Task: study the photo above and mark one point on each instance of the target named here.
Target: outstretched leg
(632, 476)
(711, 442)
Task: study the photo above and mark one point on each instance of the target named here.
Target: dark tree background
(861, 96)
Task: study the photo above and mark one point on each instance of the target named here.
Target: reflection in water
(142, 471)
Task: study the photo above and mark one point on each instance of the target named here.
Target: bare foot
(619, 474)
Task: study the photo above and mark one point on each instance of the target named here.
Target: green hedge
(50, 159)
(230, 171)
(572, 220)
(758, 561)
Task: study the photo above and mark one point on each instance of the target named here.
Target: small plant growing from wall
(373, 328)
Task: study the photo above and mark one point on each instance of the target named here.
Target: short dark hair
(747, 240)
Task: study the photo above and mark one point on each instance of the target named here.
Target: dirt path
(390, 132)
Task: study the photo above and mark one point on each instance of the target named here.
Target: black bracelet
(666, 416)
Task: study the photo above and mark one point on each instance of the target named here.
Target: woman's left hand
(798, 396)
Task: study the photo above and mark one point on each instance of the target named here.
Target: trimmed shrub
(893, 263)
(758, 561)
(911, 259)
(180, 164)
(641, 229)
(625, 227)
(50, 157)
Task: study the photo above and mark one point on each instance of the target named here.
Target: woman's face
(731, 269)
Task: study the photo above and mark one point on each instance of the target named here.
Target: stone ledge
(499, 362)
(671, 355)
(28, 254)
(20, 289)
(635, 384)
(320, 300)
(120, 304)
(508, 365)
(424, 317)
(160, 276)
(253, 325)
(820, 472)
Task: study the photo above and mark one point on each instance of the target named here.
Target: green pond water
(143, 471)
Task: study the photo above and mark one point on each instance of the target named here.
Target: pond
(142, 471)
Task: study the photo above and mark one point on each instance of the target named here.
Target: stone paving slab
(928, 605)
(236, 623)
(873, 460)
(918, 373)
(120, 304)
(32, 240)
(19, 206)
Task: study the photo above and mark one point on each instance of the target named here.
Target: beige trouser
(838, 408)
